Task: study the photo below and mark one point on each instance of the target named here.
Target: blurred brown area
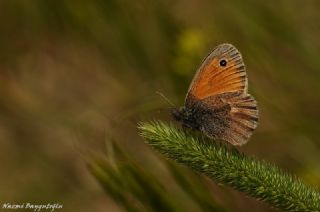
(74, 74)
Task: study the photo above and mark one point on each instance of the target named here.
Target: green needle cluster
(227, 166)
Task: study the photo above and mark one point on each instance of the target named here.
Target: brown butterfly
(217, 102)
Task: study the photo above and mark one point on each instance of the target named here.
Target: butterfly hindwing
(230, 116)
(244, 116)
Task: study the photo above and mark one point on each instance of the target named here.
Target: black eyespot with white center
(223, 62)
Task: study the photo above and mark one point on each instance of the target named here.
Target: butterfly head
(186, 117)
(178, 114)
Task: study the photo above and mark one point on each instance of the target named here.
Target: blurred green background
(76, 75)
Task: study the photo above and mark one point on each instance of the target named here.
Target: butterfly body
(198, 112)
(217, 103)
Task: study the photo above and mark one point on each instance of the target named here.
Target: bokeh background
(77, 76)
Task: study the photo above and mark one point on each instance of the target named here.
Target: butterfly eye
(223, 62)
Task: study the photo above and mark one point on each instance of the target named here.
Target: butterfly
(217, 102)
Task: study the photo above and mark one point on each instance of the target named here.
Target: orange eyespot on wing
(221, 72)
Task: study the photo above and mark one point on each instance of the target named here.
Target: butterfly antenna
(165, 98)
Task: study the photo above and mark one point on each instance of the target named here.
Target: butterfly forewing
(215, 77)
